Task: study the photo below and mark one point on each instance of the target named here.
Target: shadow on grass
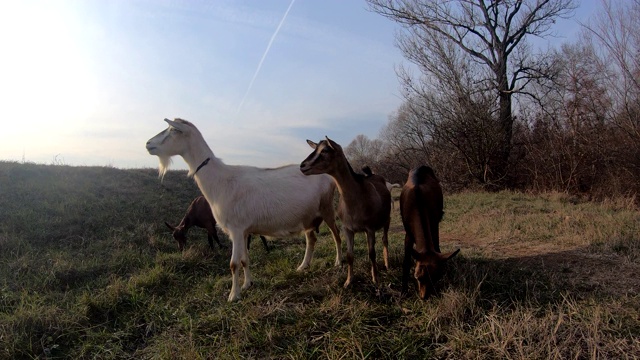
(544, 278)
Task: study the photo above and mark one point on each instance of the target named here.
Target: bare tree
(363, 151)
(614, 32)
(406, 138)
(426, 131)
(484, 43)
(613, 35)
(583, 139)
(568, 144)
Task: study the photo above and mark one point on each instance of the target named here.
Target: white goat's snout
(154, 143)
(150, 147)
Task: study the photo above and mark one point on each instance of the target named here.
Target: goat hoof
(245, 286)
(347, 284)
(302, 267)
(233, 298)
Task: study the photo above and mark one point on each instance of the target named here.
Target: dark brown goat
(365, 201)
(199, 214)
(421, 204)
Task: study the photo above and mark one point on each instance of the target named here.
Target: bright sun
(47, 84)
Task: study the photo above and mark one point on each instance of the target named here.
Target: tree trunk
(499, 169)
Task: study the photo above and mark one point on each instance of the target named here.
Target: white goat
(391, 186)
(249, 200)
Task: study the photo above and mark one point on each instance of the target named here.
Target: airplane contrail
(264, 56)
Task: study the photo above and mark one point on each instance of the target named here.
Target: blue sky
(89, 82)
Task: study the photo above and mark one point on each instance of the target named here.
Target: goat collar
(201, 165)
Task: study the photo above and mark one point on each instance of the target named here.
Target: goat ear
(174, 124)
(450, 255)
(169, 226)
(312, 144)
(329, 142)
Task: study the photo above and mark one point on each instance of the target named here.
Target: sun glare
(47, 84)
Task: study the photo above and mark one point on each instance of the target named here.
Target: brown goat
(368, 172)
(365, 201)
(421, 204)
(199, 214)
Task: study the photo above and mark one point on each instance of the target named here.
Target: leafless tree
(363, 151)
(583, 137)
(614, 32)
(567, 147)
(613, 35)
(476, 51)
(406, 138)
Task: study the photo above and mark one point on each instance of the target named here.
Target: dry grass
(95, 275)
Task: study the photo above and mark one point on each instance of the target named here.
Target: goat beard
(163, 167)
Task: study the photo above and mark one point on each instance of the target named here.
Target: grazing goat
(421, 204)
(365, 202)
(249, 200)
(199, 214)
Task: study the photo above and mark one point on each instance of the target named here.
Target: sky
(87, 83)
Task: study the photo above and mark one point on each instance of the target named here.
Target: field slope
(88, 270)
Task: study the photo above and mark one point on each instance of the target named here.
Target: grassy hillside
(88, 270)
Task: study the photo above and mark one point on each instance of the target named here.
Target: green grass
(88, 270)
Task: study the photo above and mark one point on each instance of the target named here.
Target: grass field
(88, 270)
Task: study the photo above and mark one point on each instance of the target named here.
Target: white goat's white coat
(389, 187)
(249, 200)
